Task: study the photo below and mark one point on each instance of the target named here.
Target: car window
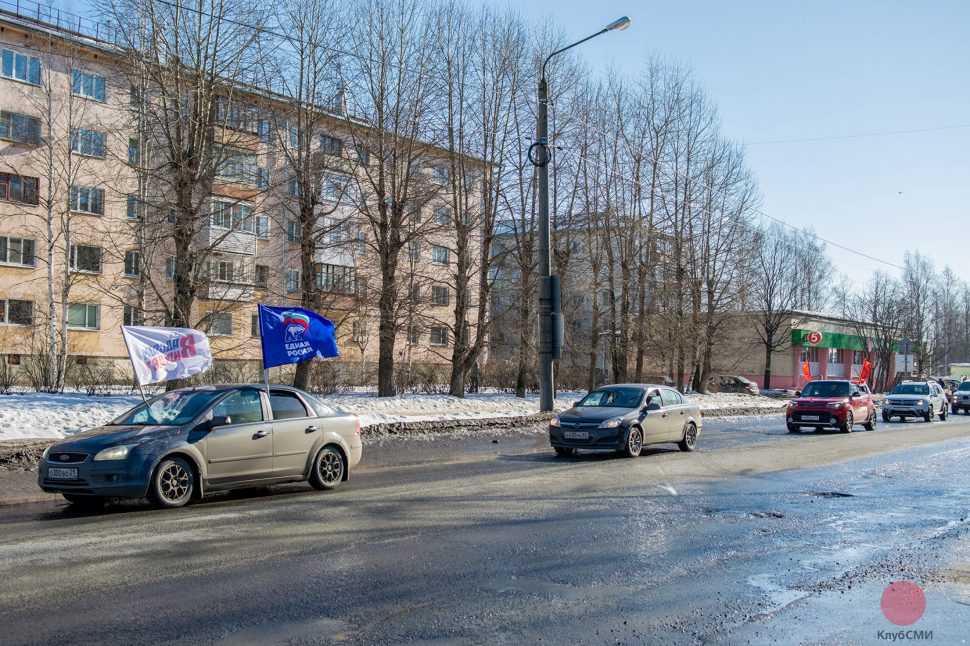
(243, 407)
(965, 385)
(614, 397)
(911, 389)
(322, 409)
(176, 407)
(856, 391)
(826, 389)
(286, 406)
(670, 398)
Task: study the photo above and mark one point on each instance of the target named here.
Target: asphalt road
(758, 537)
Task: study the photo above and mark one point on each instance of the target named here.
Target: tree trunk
(768, 353)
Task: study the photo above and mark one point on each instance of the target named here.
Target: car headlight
(554, 421)
(837, 404)
(920, 402)
(113, 453)
(793, 404)
(612, 422)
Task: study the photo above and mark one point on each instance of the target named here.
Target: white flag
(166, 353)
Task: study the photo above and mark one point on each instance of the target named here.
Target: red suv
(838, 403)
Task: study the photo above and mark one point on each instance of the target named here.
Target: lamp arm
(560, 51)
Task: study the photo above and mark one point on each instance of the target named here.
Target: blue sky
(783, 71)
(780, 71)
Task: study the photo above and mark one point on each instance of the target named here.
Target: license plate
(575, 435)
(810, 418)
(62, 474)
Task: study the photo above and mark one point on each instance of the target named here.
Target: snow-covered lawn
(46, 415)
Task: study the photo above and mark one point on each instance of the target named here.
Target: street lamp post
(550, 302)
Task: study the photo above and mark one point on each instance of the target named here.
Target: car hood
(906, 398)
(594, 413)
(103, 436)
(819, 401)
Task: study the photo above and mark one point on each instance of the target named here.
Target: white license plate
(810, 418)
(61, 474)
(575, 435)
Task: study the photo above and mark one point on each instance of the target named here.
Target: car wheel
(886, 417)
(846, 426)
(78, 500)
(928, 417)
(634, 442)
(871, 424)
(689, 443)
(172, 483)
(328, 469)
(564, 451)
(792, 428)
(943, 413)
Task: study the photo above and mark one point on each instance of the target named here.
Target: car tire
(871, 424)
(943, 413)
(886, 417)
(172, 484)
(846, 426)
(689, 443)
(328, 468)
(564, 451)
(634, 442)
(793, 428)
(928, 417)
(86, 502)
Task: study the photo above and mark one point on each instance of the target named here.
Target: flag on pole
(807, 371)
(293, 335)
(865, 370)
(166, 353)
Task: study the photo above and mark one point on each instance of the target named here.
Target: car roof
(226, 387)
(607, 386)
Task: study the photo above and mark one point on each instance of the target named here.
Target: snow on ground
(56, 415)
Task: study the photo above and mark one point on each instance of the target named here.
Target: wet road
(758, 537)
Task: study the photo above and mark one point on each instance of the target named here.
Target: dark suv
(837, 403)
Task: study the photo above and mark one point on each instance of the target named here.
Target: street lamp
(550, 302)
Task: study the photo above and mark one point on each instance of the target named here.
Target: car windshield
(174, 408)
(615, 397)
(964, 386)
(826, 389)
(911, 389)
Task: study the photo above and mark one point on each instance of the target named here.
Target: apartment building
(84, 232)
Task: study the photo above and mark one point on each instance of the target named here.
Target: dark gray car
(624, 418)
(178, 445)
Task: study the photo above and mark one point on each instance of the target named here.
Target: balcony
(341, 255)
(224, 291)
(228, 240)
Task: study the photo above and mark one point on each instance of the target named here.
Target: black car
(624, 418)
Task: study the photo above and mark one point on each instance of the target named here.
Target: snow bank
(57, 415)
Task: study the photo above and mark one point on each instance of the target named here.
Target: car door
(295, 429)
(860, 408)
(654, 422)
(242, 449)
(676, 414)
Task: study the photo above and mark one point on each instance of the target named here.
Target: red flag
(807, 371)
(865, 370)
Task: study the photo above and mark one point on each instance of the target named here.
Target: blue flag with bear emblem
(293, 334)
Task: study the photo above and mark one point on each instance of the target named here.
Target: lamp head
(619, 24)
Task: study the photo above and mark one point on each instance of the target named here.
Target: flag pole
(141, 389)
(262, 348)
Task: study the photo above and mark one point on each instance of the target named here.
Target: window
(254, 325)
(440, 174)
(363, 155)
(292, 280)
(442, 216)
(13, 359)
(333, 188)
(414, 249)
(336, 279)
(17, 251)
(414, 335)
(264, 128)
(136, 209)
(134, 152)
(85, 199)
(220, 323)
(809, 354)
(232, 215)
(237, 115)
(858, 357)
(294, 138)
(14, 312)
(834, 356)
(292, 231)
(132, 264)
(330, 145)
(19, 127)
(439, 336)
(262, 227)
(86, 259)
(262, 178)
(87, 142)
(133, 316)
(286, 405)
(669, 397)
(357, 332)
(19, 67)
(170, 268)
(242, 407)
(469, 181)
(414, 292)
(262, 276)
(235, 165)
(83, 316)
(439, 255)
(360, 248)
(16, 188)
(223, 270)
(440, 295)
(90, 86)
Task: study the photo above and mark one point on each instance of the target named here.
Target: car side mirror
(576, 404)
(220, 420)
(798, 393)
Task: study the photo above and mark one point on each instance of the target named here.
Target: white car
(915, 399)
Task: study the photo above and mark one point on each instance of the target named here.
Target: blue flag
(293, 334)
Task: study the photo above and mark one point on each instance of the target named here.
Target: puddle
(830, 494)
(779, 596)
(278, 632)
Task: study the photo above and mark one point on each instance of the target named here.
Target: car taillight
(357, 432)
